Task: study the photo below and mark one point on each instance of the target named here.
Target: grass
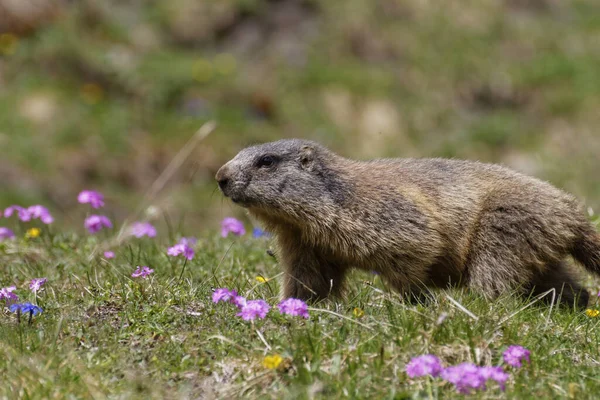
(104, 97)
(105, 334)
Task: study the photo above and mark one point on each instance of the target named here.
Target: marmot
(417, 222)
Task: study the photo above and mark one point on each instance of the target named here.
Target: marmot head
(289, 177)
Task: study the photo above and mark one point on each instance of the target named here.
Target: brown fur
(418, 222)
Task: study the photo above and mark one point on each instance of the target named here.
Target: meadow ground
(106, 334)
(108, 92)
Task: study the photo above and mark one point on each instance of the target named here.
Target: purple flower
(239, 301)
(232, 225)
(464, 377)
(23, 214)
(36, 284)
(109, 254)
(40, 212)
(7, 293)
(27, 214)
(424, 365)
(143, 272)
(254, 309)
(293, 307)
(6, 233)
(95, 199)
(496, 374)
(139, 229)
(94, 223)
(179, 249)
(25, 308)
(188, 241)
(513, 355)
(223, 294)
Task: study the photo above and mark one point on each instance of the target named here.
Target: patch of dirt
(492, 96)
(221, 384)
(107, 313)
(24, 16)
(457, 353)
(192, 309)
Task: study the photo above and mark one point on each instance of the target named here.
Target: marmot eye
(265, 161)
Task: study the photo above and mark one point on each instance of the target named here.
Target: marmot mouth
(235, 197)
(240, 201)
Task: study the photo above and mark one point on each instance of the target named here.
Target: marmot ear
(307, 157)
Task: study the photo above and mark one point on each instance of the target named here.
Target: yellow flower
(225, 63)
(202, 70)
(592, 313)
(8, 44)
(272, 362)
(32, 233)
(261, 279)
(92, 93)
(358, 312)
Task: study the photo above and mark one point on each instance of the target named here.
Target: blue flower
(257, 233)
(26, 308)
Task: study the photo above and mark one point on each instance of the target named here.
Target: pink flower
(109, 254)
(179, 249)
(6, 233)
(95, 223)
(140, 229)
(143, 272)
(232, 225)
(40, 212)
(23, 214)
(36, 284)
(188, 241)
(223, 294)
(239, 301)
(27, 214)
(95, 199)
(424, 365)
(293, 307)
(496, 374)
(254, 309)
(513, 355)
(464, 377)
(7, 293)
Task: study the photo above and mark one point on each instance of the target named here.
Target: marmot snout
(418, 222)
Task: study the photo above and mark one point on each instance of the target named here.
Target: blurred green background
(101, 94)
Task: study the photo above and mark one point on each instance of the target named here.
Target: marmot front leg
(308, 276)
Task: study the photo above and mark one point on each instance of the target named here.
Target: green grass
(105, 334)
(493, 81)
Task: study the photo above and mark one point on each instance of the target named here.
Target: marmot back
(418, 222)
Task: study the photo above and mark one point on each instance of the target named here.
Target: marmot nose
(222, 178)
(223, 183)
